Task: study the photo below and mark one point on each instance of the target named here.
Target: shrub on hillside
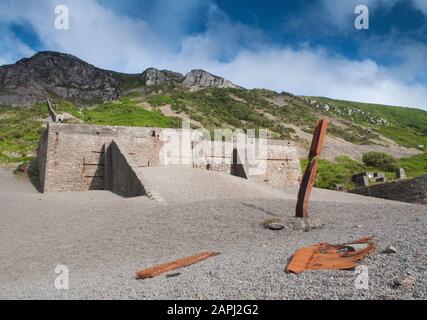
(380, 160)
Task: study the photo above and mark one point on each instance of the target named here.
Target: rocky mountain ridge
(59, 75)
(153, 76)
(199, 79)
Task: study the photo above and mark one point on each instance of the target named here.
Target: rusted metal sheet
(310, 172)
(328, 256)
(174, 265)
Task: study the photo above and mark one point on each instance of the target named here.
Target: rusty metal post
(310, 172)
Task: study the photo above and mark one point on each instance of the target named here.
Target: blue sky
(306, 47)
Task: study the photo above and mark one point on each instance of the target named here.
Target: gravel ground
(104, 239)
(14, 183)
(183, 184)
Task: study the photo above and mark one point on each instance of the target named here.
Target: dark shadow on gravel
(33, 176)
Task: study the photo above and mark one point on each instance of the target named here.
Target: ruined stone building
(79, 157)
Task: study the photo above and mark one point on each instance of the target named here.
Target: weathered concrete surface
(177, 184)
(41, 158)
(122, 172)
(411, 190)
(71, 157)
(279, 167)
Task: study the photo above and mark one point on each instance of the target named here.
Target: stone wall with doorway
(72, 157)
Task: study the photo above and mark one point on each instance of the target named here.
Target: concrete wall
(41, 157)
(283, 165)
(75, 159)
(121, 172)
(411, 190)
(54, 116)
(280, 167)
(75, 154)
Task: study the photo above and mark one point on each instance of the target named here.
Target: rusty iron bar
(310, 172)
(174, 265)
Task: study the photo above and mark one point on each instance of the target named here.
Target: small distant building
(379, 177)
(364, 179)
(400, 173)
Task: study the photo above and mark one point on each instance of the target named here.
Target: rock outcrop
(199, 79)
(153, 76)
(63, 76)
(55, 74)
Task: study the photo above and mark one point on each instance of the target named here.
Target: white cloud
(421, 5)
(12, 48)
(334, 16)
(340, 12)
(313, 72)
(96, 34)
(234, 51)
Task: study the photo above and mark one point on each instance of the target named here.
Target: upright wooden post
(310, 172)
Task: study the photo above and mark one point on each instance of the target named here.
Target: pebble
(406, 282)
(275, 226)
(390, 249)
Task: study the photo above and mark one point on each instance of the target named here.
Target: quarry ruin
(80, 157)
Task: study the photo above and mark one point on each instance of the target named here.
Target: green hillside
(240, 108)
(20, 128)
(127, 112)
(329, 174)
(360, 123)
(406, 126)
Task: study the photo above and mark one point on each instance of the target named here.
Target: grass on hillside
(253, 109)
(405, 136)
(406, 126)
(329, 174)
(415, 165)
(65, 106)
(20, 130)
(126, 112)
(215, 108)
